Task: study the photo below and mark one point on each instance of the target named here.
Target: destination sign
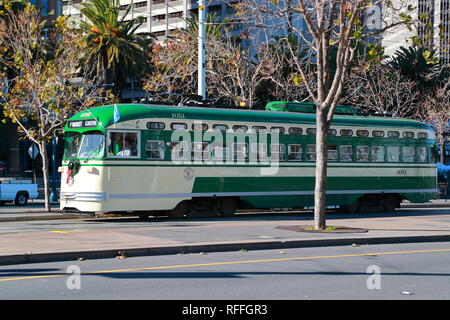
(76, 124)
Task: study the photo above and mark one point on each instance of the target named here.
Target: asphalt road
(394, 271)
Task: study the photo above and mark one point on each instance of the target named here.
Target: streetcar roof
(104, 117)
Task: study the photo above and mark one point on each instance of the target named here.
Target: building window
(177, 14)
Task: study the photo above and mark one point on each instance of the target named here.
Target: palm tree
(419, 65)
(114, 52)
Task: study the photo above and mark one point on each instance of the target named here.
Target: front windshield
(73, 140)
(92, 146)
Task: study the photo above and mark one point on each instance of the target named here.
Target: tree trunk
(45, 175)
(321, 170)
(442, 147)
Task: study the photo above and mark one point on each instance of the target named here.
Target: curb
(35, 218)
(222, 247)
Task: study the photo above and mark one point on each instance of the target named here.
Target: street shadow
(232, 275)
(28, 272)
(278, 216)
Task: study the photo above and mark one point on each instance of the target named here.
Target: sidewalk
(91, 238)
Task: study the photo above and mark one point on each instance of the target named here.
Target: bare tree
(435, 110)
(382, 90)
(332, 30)
(40, 97)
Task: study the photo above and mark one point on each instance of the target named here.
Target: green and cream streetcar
(157, 159)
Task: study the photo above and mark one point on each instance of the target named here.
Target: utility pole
(201, 48)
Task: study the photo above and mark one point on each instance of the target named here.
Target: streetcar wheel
(180, 210)
(21, 199)
(355, 207)
(227, 207)
(389, 203)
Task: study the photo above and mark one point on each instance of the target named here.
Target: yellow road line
(226, 263)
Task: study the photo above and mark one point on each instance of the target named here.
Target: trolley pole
(201, 48)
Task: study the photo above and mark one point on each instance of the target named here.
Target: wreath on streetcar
(73, 167)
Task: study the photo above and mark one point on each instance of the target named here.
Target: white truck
(17, 191)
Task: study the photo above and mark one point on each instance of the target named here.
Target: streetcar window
(311, 131)
(279, 130)
(346, 133)
(240, 151)
(393, 134)
(377, 154)
(332, 154)
(199, 150)
(218, 153)
(156, 125)
(332, 132)
(362, 153)
(259, 129)
(220, 127)
(408, 134)
(362, 133)
(92, 146)
(295, 130)
(72, 144)
(258, 151)
(422, 135)
(345, 153)
(393, 153)
(199, 126)
(408, 154)
(240, 128)
(155, 149)
(178, 126)
(123, 144)
(179, 150)
(378, 133)
(311, 152)
(422, 155)
(277, 152)
(295, 152)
